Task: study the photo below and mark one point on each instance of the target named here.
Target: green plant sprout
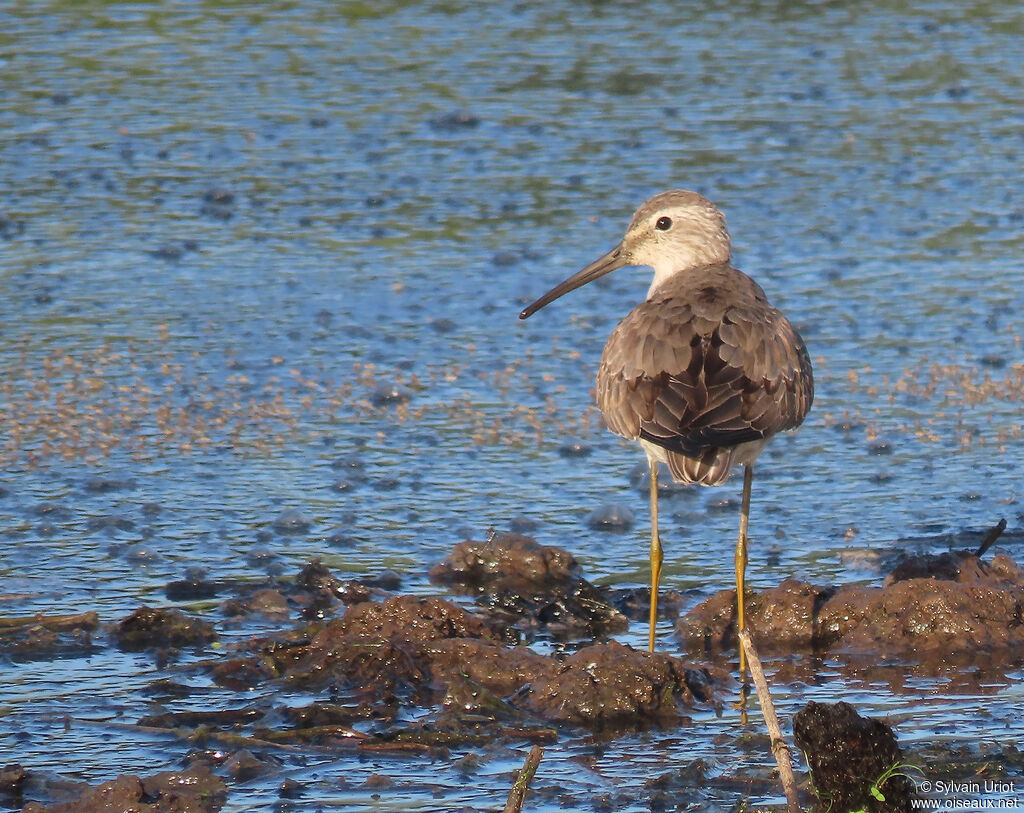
(896, 769)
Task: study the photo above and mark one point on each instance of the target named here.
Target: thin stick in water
(517, 795)
(779, 748)
(990, 538)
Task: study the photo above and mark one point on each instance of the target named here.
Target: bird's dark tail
(711, 468)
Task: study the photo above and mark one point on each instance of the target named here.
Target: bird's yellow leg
(656, 554)
(741, 563)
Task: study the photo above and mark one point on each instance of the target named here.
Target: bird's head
(672, 232)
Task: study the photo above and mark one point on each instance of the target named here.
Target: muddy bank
(385, 673)
(409, 650)
(390, 673)
(463, 672)
(46, 636)
(194, 790)
(929, 608)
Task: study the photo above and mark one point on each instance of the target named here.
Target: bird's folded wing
(690, 380)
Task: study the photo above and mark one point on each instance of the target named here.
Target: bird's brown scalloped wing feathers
(697, 369)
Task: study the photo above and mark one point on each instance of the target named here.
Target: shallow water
(225, 232)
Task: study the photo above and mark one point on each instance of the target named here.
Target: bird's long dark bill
(609, 262)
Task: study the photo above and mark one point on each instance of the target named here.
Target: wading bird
(705, 371)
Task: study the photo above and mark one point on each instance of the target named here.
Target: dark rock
(291, 789)
(635, 602)
(522, 525)
(451, 122)
(244, 765)
(191, 589)
(390, 393)
(316, 578)
(951, 566)
(44, 636)
(352, 592)
(352, 465)
(292, 522)
(385, 580)
(429, 651)
(242, 674)
(499, 669)
(467, 765)
(10, 228)
(443, 325)
(168, 251)
(149, 628)
(51, 510)
(167, 689)
(610, 517)
(848, 755)
(341, 540)
(505, 259)
(218, 204)
(109, 523)
(105, 485)
(268, 602)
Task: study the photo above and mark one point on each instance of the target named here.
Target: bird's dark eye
(663, 224)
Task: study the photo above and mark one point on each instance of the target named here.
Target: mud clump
(12, 781)
(195, 790)
(315, 594)
(149, 628)
(928, 604)
(611, 685)
(38, 636)
(507, 562)
(409, 619)
(264, 601)
(499, 669)
(377, 647)
(534, 587)
(848, 755)
(781, 616)
(428, 651)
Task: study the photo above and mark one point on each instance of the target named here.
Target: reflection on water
(257, 260)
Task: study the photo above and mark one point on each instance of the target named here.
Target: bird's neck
(675, 265)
